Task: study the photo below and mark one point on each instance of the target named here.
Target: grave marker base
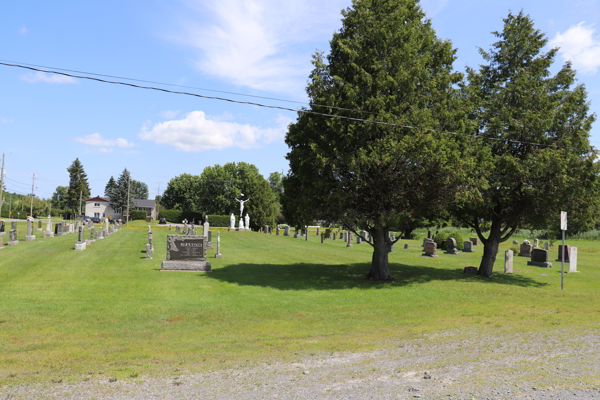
(540, 264)
(30, 238)
(13, 243)
(80, 246)
(202, 266)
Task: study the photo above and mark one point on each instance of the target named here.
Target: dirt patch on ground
(450, 365)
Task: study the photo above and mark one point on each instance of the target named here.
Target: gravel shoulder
(452, 365)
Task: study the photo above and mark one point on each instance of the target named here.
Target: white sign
(563, 220)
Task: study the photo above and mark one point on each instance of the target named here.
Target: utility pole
(128, 181)
(32, 194)
(2, 185)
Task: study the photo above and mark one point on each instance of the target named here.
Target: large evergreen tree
(78, 185)
(386, 61)
(110, 187)
(118, 200)
(517, 102)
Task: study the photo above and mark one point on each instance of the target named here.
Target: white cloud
(197, 132)
(5, 120)
(169, 114)
(49, 78)
(23, 31)
(261, 44)
(96, 139)
(105, 150)
(581, 45)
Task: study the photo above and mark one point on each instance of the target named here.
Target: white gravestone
(573, 260)
(232, 221)
(218, 255)
(247, 221)
(508, 262)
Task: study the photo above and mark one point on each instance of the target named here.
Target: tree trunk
(379, 265)
(490, 250)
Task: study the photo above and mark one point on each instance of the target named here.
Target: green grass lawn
(107, 310)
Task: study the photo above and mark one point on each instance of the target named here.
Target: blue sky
(257, 47)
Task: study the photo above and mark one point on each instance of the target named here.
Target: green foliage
(79, 188)
(276, 184)
(173, 216)
(182, 193)
(516, 249)
(110, 187)
(414, 236)
(118, 200)
(386, 60)
(138, 214)
(459, 240)
(221, 220)
(216, 189)
(138, 190)
(59, 197)
(192, 216)
(515, 97)
(440, 240)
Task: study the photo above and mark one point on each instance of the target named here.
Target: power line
(191, 87)
(304, 111)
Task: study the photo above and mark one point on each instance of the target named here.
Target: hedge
(221, 220)
(170, 215)
(138, 214)
(176, 216)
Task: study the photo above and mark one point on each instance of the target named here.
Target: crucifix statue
(242, 205)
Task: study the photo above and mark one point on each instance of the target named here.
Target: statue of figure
(247, 220)
(232, 221)
(242, 206)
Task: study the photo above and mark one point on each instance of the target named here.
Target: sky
(251, 47)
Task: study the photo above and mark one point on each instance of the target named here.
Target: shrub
(516, 249)
(440, 239)
(459, 240)
(192, 216)
(138, 214)
(171, 215)
(221, 220)
(328, 233)
(414, 236)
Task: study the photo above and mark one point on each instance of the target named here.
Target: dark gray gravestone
(2, 233)
(567, 252)
(451, 247)
(186, 253)
(539, 258)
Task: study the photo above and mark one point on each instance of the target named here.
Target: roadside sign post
(563, 228)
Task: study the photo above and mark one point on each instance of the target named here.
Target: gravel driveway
(453, 365)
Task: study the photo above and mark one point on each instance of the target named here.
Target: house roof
(98, 198)
(144, 203)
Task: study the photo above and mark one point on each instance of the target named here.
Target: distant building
(99, 207)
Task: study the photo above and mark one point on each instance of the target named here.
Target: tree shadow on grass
(329, 277)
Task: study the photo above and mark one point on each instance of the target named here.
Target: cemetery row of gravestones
(60, 229)
(538, 256)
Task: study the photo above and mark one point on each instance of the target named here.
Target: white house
(99, 207)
